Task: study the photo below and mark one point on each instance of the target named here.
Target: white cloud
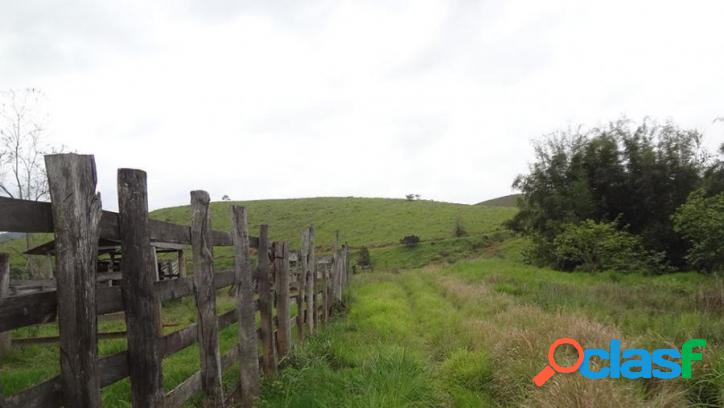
(353, 98)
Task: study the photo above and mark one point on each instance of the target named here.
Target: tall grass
(474, 333)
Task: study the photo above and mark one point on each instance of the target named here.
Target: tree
(714, 176)
(635, 176)
(225, 198)
(701, 221)
(22, 129)
(22, 146)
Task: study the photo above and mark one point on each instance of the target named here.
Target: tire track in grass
(461, 370)
(372, 358)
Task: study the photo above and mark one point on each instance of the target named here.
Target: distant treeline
(624, 197)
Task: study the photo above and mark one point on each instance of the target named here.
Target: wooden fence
(75, 216)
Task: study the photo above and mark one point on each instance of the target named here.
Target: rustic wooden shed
(109, 259)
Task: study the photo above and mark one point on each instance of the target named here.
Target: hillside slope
(361, 221)
(510, 200)
(373, 222)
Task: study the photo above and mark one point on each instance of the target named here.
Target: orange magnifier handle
(553, 367)
(543, 376)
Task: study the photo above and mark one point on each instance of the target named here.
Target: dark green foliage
(459, 230)
(635, 176)
(363, 257)
(701, 221)
(596, 247)
(410, 241)
(714, 176)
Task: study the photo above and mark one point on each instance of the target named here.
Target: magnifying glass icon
(546, 373)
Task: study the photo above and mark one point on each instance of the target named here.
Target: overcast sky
(339, 98)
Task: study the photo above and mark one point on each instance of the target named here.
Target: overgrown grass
(474, 333)
(398, 257)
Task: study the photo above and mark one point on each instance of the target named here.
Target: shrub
(410, 241)
(459, 230)
(701, 221)
(363, 257)
(594, 247)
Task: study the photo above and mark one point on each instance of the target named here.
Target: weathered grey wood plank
(265, 303)
(229, 358)
(325, 291)
(46, 394)
(76, 210)
(337, 276)
(308, 263)
(281, 268)
(32, 216)
(245, 309)
(38, 308)
(25, 216)
(180, 339)
(347, 268)
(205, 294)
(5, 342)
(50, 394)
(29, 341)
(300, 286)
(113, 368)
(179, 395)
(142, 307)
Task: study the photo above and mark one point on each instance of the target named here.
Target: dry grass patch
(516, 338)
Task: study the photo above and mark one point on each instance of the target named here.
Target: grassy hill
(510, 200)
(361, 221)
(372, 222)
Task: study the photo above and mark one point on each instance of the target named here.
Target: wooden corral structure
(108, 264)
(80, 225)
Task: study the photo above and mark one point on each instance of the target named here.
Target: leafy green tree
(595, 247)
(701, 221)
(714, 175)
(634, 176)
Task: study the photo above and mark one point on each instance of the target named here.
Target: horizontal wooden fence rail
(34, 216)
(79, 223)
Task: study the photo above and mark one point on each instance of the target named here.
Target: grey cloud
(51, 37)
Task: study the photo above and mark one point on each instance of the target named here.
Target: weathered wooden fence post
(245, 309)
(265, 303)
(5, 340)
(300, 280)
(340, 275)
(308, 263)
(76, 212)
(281, 266)
(142, 308)
(208, 328)
(325, 292)
(346, 265)
(181, 260)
